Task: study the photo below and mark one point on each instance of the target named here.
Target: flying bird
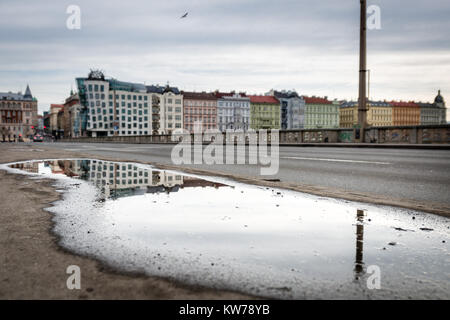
(184, 15)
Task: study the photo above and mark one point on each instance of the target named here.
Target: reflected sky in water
(263, 241)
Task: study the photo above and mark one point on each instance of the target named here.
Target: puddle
(224, 234)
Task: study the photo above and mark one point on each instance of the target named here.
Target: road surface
(421, 175)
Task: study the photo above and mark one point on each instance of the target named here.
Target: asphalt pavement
(414, 174)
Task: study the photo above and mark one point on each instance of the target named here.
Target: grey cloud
(130, 37)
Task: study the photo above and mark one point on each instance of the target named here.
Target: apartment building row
(395, 113)
(107, 107)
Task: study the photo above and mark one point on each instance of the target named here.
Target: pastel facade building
(320, 113)
(199, 109)
(405, 113)
(379, 114)
(233, 111)
(170, 108)
(18, 115)
(265, 112)
(348, 114)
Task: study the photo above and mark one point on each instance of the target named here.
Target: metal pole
(362, 110)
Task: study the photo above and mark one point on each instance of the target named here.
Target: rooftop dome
(439, 98)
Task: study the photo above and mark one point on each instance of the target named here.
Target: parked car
(38, 138)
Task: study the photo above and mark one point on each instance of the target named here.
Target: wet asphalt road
(414, 174)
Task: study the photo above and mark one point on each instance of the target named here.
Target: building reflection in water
(125, 179)
(359, 263)
(32, 167)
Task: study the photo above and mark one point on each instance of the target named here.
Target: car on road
(38, 138)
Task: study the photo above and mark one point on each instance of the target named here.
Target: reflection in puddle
(262, 241)
(116, 180)
(359, 264)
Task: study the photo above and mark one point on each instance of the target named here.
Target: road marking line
(335, 160)
(125, 149)
(119, 149)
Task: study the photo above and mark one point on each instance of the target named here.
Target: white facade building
(114, 107)
(233, 111)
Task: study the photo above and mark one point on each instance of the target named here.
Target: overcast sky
(244, 45)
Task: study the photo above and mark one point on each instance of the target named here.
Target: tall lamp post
(362, 108)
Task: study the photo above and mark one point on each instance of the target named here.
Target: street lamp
(362, 110)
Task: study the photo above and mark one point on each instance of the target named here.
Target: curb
(370, 145)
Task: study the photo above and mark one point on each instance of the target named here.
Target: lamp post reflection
(359, 264)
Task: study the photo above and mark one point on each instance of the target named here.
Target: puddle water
(262, 241)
